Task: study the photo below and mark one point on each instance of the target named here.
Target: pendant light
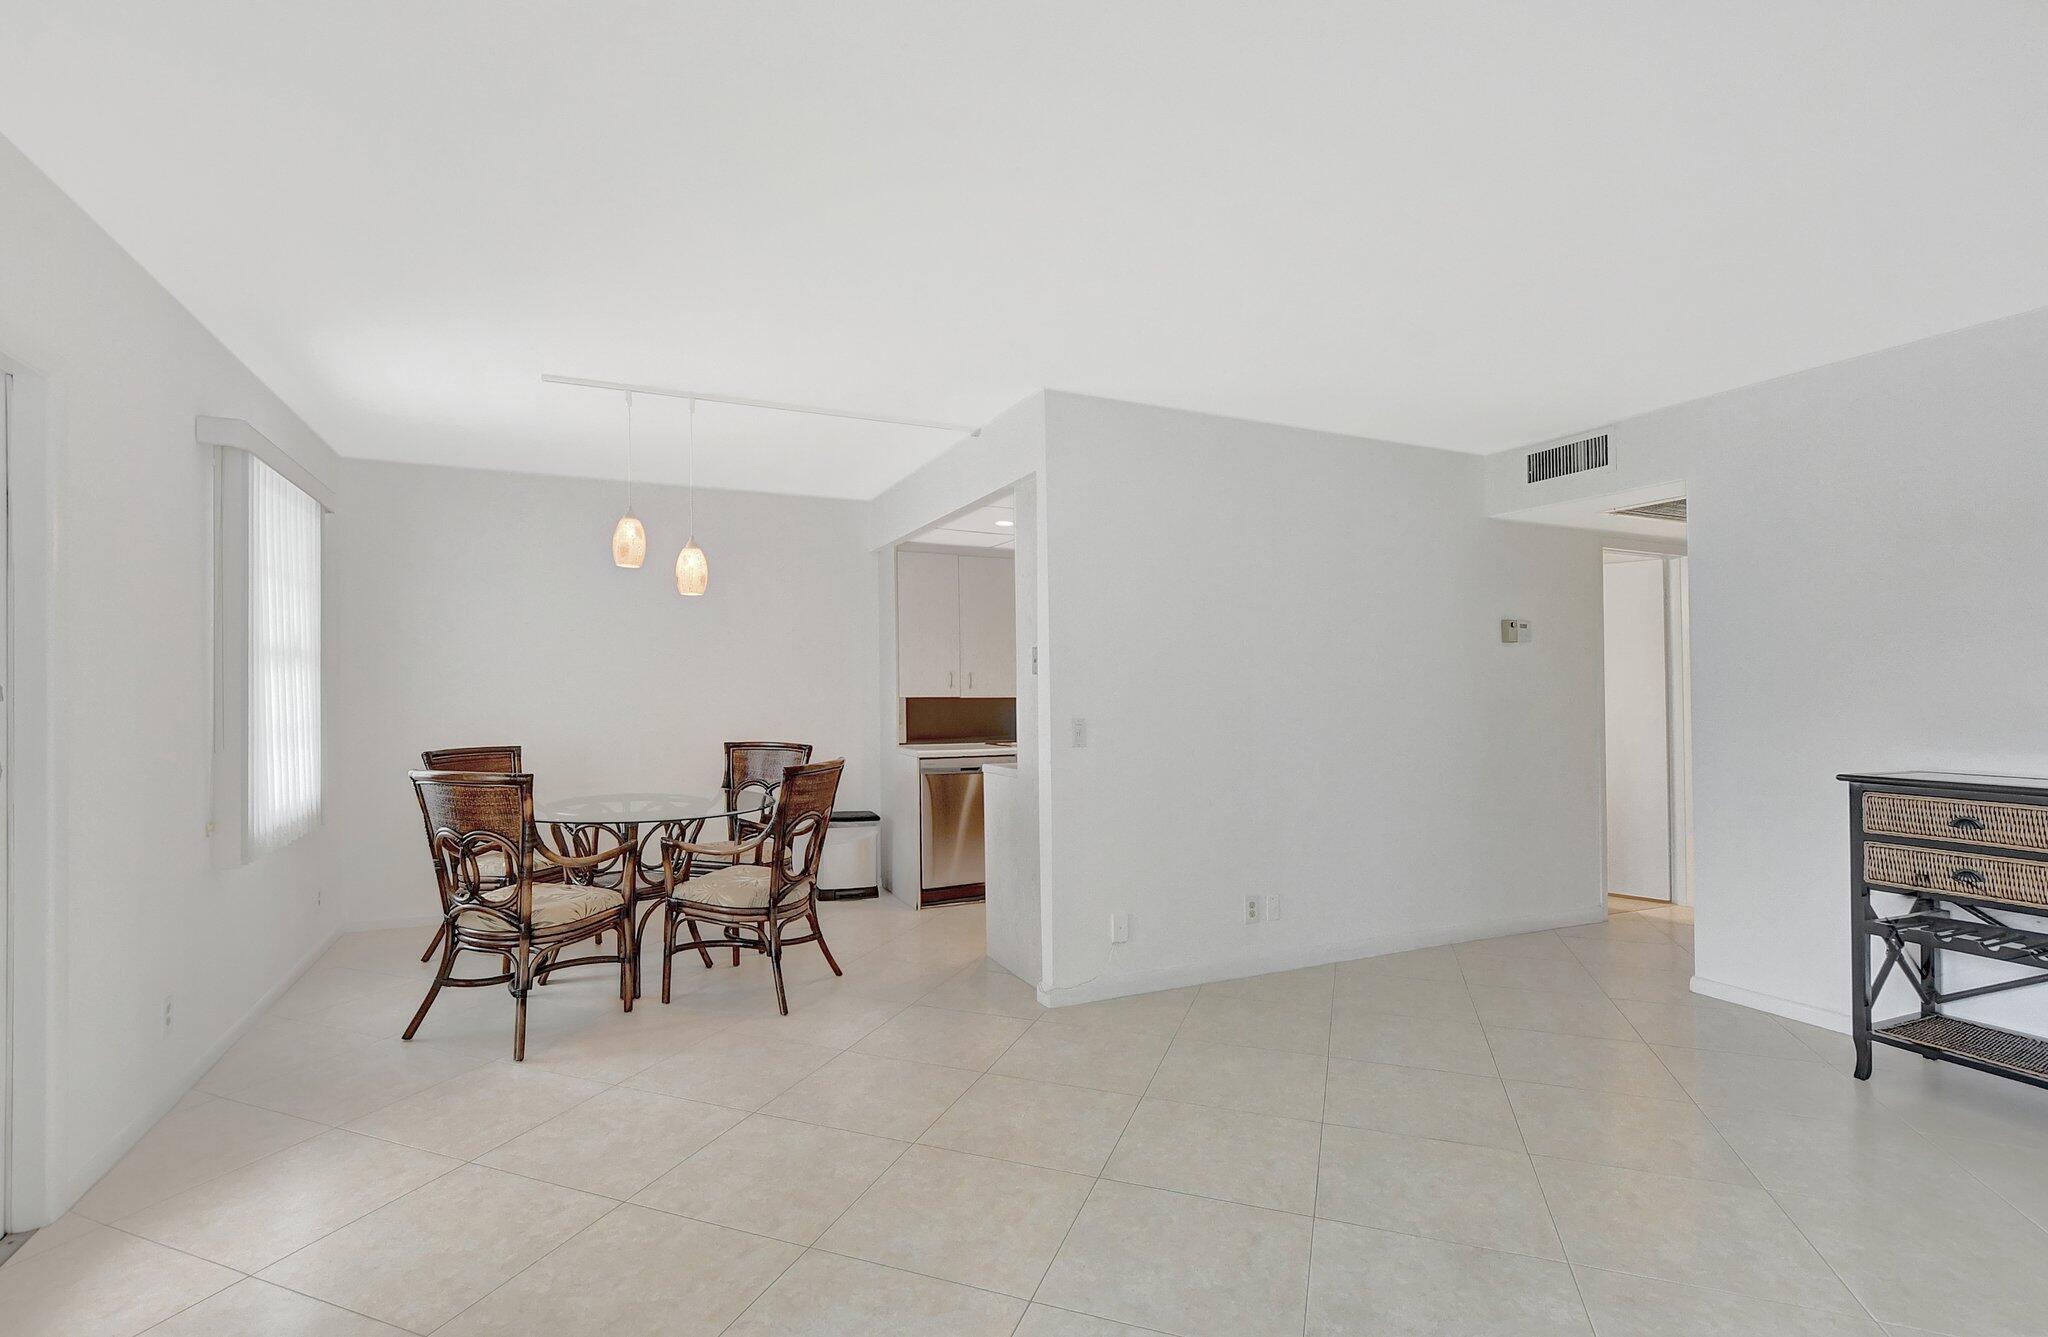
(629, 537)
(693, 569)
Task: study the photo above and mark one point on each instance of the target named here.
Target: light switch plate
(1080, 732)
(1119, 928)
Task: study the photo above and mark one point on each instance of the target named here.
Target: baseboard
(427, 922)
(1316, 954)
(1771, 1003)
(132, 1134)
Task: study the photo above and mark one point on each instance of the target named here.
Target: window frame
(238, 448)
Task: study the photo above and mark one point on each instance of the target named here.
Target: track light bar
(665, 392)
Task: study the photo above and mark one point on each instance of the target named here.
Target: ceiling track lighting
(693, 567)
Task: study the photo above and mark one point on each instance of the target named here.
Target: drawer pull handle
(1966, 823)
(1969, 877)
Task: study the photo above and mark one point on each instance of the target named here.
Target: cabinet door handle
(1969, 877)
(1965, 823)
(949, 682)
(970, 680)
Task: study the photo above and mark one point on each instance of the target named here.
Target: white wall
(1015, 919)
(483, 607)
(1286, 647)
(123, 907)
(1866, 542)
(1638, 746)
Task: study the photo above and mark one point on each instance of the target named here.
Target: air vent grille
(1573, 457)
(1656, 510)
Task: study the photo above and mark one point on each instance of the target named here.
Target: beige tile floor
(1531, 1135)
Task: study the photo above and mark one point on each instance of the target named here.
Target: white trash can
(849, 869)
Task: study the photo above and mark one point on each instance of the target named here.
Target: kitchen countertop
(959, 749)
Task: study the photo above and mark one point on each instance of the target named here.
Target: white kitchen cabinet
(927, 624)
(956, 625)
(988, 626)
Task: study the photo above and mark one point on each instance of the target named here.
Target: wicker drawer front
(2020, 881)
(2015, 826)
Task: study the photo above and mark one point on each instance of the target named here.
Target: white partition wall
(1283, 648)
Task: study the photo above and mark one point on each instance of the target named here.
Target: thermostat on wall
(1513, 631)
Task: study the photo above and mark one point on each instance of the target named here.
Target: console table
(1971, 851)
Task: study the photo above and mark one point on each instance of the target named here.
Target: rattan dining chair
(498, 761)
(477, 820)
(753, 778)
(767, 881)
(756, 769)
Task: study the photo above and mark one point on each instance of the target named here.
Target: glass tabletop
(619, 809)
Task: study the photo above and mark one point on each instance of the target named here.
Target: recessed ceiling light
(1006, 524)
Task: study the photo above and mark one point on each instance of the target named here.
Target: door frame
(1675, 569)
(1678, 719)
(6, 903)
(29, 882)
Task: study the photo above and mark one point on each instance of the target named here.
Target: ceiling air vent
(1573, 457)
(1656, 510)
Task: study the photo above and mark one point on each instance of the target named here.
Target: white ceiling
(1469, 225)
(993, 525)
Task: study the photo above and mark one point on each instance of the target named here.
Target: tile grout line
(1549, 1212)
(862, 1195)
(1737, 1151)
(1097, 1180)
(1308, 1298)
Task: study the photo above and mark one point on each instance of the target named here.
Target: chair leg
(640, 937)
(522, 984)
(440, 932)
(440, 975)
(698, 942)
(668, 949)
(628, 986)
(819, 933)
(774, 962)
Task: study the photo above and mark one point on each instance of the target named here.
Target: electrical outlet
(1251, 909)
(1080, 732)
(167, 1011)
(1119, 928)
(1272, 906)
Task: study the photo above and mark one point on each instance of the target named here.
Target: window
(267, 706)
(284, 660)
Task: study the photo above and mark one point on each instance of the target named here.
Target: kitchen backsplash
(954, 719)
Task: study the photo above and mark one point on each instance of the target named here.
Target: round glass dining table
(643, 809)
(639, 822)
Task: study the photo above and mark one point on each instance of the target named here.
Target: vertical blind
(284, 660)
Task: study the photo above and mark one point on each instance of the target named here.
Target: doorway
(6, 808)
(1648, 726)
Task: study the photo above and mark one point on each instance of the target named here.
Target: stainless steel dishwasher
(949, 829)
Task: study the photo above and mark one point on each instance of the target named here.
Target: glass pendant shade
(629, 541)
(693, 570)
